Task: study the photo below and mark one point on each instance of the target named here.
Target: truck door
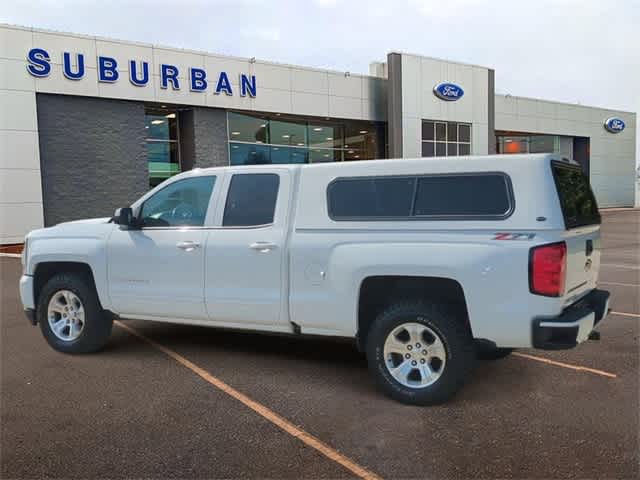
(158, 270)
(245, 276)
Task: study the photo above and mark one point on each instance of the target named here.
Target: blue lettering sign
(198, 82)
(133, 73)
(39, 65)
(169, 73)
(247, 85)
(223, 84)
(107, 70)
(67, 67)
(74, 68)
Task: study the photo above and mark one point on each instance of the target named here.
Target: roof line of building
(574, 104)
(439, 59)
(185, 50)
(287, 65)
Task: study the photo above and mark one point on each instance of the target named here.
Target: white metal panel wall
(20, 186)
(280, 88)
(612, 156)
(419, 76)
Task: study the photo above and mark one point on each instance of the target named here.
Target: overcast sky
(582, 51)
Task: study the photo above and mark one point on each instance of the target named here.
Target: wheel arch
(44, 271)
(376, 292)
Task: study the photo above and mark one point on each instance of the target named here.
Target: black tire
(97, 325)
(453, 333)
(485, 351)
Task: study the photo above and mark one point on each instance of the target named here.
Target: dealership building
(89, 124)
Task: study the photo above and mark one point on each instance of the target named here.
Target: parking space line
(620, 284)
(625, 314)
(260, 409)
(617, 265)
(10, 255)
(565, 365)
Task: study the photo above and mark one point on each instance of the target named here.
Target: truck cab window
(251, 200)
(179, 204)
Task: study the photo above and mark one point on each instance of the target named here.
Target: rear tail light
(547, 269)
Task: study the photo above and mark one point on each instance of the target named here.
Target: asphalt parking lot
(135, 410)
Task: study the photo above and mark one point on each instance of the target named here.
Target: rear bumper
(573, 325)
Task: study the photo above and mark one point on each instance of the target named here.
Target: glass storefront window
(326, 136)
(428, 149)
(452, 132)
(163, 153)
(514, 145)
(428, 131)
(288, 155)
(451, 139)
(535, 144)
(245, 128)
(294, 140)
(542, 144)
(288, 133)
(161, 126)
(320, 155)
(249, 154)
(464, 133)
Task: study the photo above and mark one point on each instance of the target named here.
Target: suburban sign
(448, 91)
(614, 125)
(109, 71)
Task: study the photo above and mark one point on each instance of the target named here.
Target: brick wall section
(92, 156)
(210, 137)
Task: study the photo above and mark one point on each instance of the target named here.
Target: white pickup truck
(427, 264)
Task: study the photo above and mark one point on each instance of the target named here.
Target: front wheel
(420, 353)
(70, 315)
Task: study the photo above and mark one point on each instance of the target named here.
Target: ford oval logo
(614, 124)
(448, 91)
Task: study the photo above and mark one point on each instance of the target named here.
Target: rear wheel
(70, 315)
(420, 353)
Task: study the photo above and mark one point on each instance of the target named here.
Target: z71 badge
(514, 236)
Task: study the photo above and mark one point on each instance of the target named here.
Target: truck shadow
(330, 361)
(193, 339)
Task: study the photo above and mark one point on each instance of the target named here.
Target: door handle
(187, 246)
(263, 247)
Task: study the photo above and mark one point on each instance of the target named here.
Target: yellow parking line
(260, 409)
(625, 314)
(621, 284)
(565, 365)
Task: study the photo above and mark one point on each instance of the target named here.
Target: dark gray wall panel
(92, 156)
(210, 144)
(394, 99)
(491, 109)
(187, 139)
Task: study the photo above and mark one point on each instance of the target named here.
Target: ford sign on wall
(448, 91)
(614, 125)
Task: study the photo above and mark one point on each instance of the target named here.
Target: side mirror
(124, 217)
